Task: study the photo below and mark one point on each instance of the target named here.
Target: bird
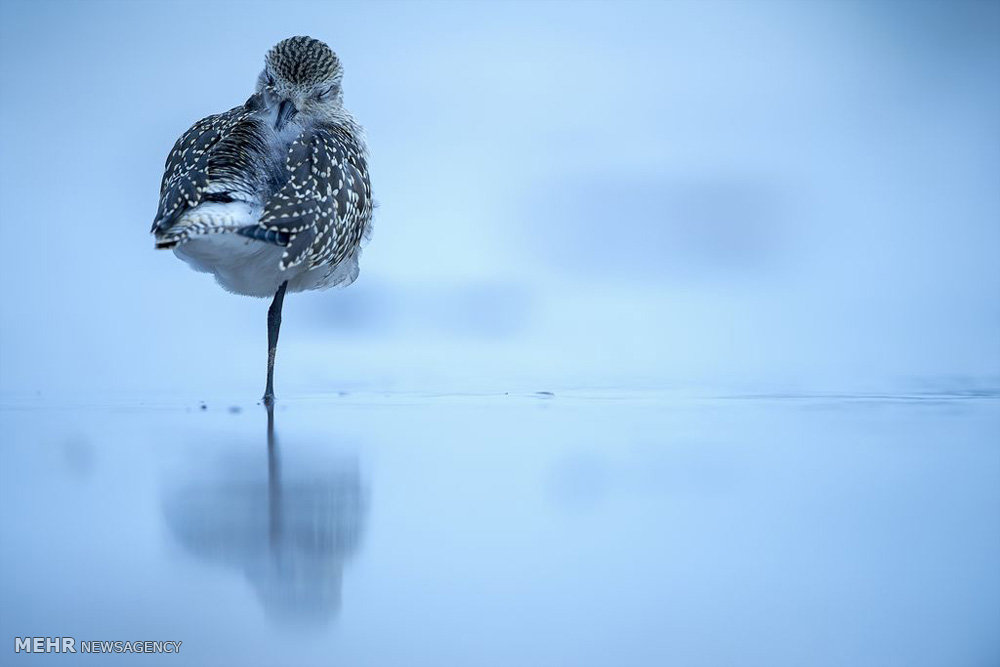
(272, 196)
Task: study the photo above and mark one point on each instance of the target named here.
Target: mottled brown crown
(303, 61)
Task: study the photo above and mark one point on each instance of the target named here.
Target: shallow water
(387, 529)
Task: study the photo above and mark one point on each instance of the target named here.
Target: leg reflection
(273, 481)
(290, 531)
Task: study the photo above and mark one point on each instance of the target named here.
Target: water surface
(536, 529)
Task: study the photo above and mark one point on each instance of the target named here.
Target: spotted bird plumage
(283, 179)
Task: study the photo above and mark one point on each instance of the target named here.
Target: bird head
(301, 80)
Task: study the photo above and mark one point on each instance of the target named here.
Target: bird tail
(167, 244)
(207, 218)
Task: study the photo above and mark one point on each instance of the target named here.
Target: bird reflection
(290, 533)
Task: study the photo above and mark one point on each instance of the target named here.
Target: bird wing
(212, 161)
(322, 211)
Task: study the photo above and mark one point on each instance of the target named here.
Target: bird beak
(286, 111)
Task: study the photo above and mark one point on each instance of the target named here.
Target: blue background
(784, 196)
(677, 342)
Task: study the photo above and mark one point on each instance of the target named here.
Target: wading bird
(272, 196)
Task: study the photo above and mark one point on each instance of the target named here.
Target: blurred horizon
(764, 195)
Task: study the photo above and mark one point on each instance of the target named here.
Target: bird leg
(273, 325)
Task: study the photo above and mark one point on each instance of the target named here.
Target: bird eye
(324, 94)
(270, 80)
